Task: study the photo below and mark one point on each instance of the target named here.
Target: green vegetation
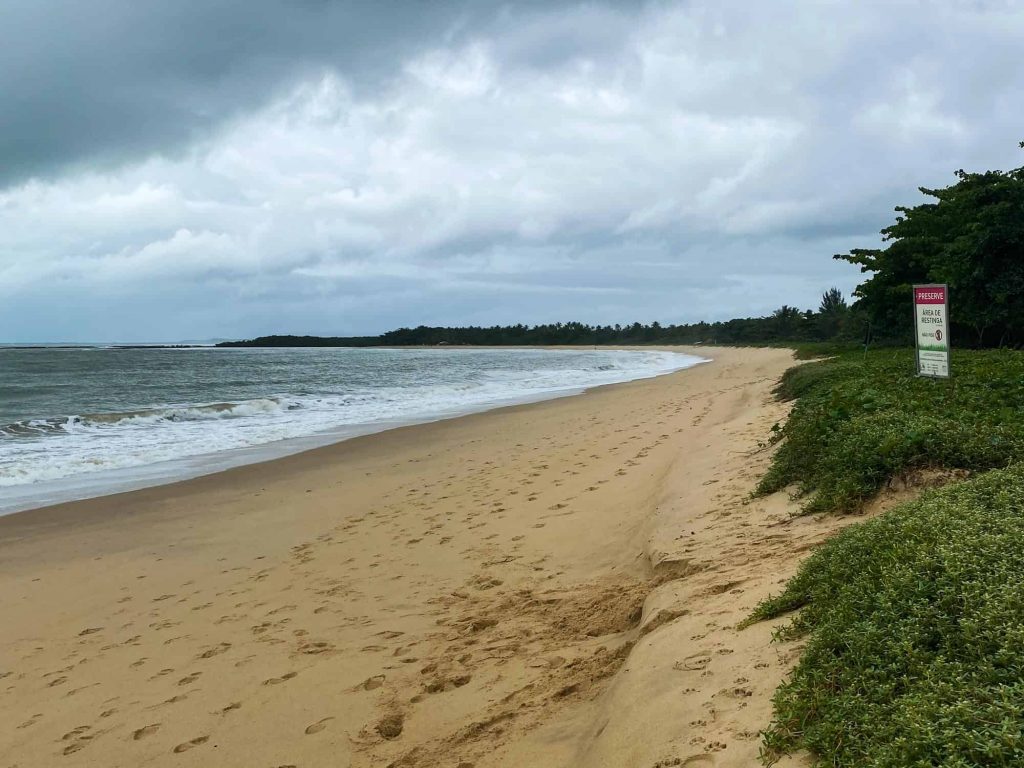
(787, 325)
(970, 236)
(915, 624)
(863, 419)
(914, 620)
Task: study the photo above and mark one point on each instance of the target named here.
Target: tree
(832, 302)
(971, 237)
(786, 322)
(832, 314)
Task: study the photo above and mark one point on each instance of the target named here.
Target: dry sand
(551, 585)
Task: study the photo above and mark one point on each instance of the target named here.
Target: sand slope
(548, 585)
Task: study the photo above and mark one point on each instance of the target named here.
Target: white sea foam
(47, 459)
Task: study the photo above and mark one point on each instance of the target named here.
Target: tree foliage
(972, 238)
(786, 324)
(833, 317)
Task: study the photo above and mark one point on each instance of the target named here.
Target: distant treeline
(832, 320)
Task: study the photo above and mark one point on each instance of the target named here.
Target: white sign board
(931, 330)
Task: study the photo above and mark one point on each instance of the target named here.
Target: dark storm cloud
(109, 80)
(187, 168)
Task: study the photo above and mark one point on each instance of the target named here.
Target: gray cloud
(198, 169)
(110, 80)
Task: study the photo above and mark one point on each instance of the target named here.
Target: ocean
(82, 422)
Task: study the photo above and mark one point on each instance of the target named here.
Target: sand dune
(549, 585)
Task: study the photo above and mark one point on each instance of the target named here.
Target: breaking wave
(409, 388)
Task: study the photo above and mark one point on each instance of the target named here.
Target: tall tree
(832, 302)
(971, 237)
(832, 314)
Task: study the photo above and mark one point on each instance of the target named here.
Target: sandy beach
(554, 584)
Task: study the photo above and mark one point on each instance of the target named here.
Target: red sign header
(930, 294)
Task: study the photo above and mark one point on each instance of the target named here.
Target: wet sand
(554, 584)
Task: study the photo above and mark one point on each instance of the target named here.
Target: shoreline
(302, 458)
(517, 586)
(108, 482)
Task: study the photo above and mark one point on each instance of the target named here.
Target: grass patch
(915, 625)
(860, 420)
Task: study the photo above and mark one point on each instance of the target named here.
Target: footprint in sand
(694, 663)
(371, 683)
(391, 725)
(442, 684)
(146, 730)
(31, 721)
(79, 738)
(215, 651)
(189, 679)
(313, 648)
(281, 679)
(186, 746)
(318, 726)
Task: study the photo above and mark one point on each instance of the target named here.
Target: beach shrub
(862, 419)
(915, 635)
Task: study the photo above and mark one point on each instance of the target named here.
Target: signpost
(931, 330)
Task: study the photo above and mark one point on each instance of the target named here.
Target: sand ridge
(552, 584)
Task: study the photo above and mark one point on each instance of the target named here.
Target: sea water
(81, 422)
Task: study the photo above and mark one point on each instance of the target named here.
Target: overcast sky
(191, 169)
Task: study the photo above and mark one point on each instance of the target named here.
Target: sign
(931, 330)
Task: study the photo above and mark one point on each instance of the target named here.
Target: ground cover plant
(861, 419)
(915, 635)
(914, 621)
